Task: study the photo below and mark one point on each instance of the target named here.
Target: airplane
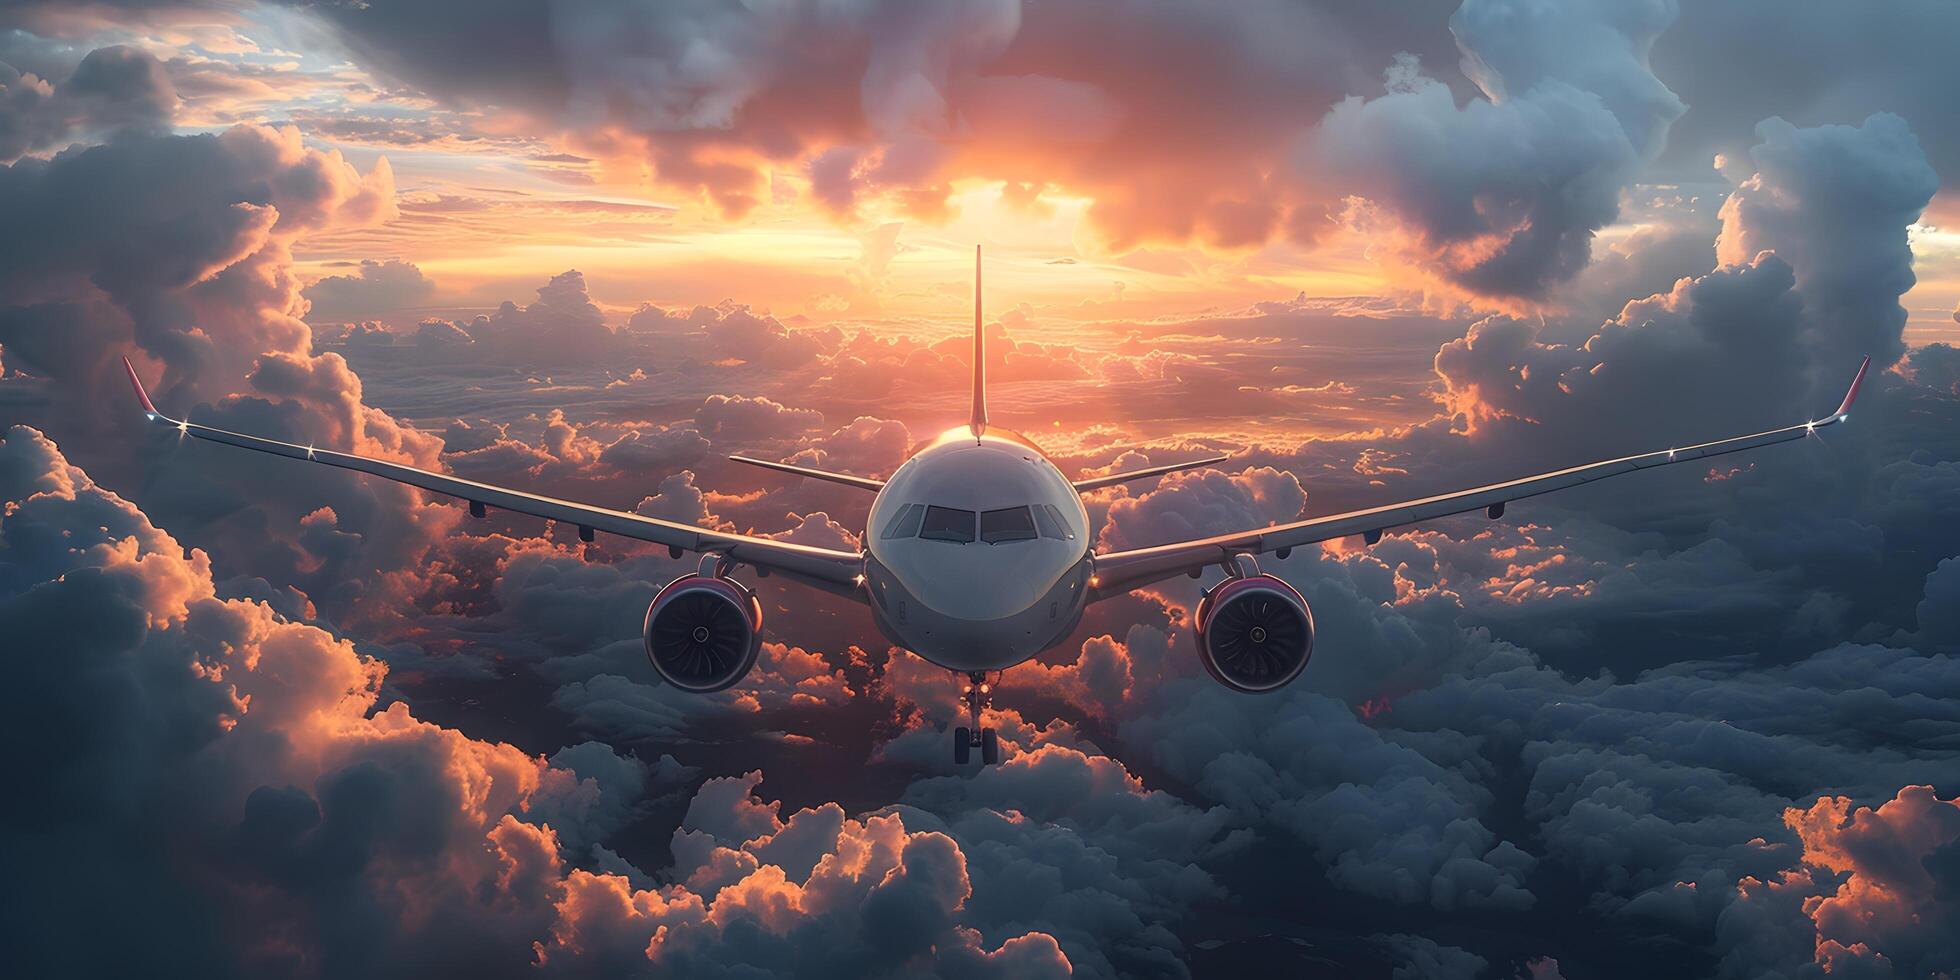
(977, 554)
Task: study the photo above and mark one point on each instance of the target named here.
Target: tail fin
(979, 420)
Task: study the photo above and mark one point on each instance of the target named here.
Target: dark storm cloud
(1935, 366)
(1833, 201)
(1501, 196)
(1815, 258)
(176, 251)
(113, 89)
(1740, 62)
(1660, 793)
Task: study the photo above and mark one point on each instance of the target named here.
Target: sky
(273, 722)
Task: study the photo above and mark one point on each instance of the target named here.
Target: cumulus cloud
(378, 288)
(1834, 202)
(259, 744)
(563, 327)
(740, 418)
(819, 893)
(113, 89)
(316, 814)
(1874, 891)
(177, 251)
(1815, 259)
(732, 333)
(1500, 197)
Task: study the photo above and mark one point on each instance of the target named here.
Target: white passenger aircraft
(977, 554)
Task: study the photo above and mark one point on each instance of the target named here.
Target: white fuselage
(977, 552)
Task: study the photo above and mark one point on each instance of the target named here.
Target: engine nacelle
(1255, 633)
(703, 633)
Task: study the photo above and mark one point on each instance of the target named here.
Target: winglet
(141, 395)
(1844, 408)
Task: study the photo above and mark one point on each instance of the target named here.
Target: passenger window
(948, 524)
(1006, 524)
(1045, 520)
(905, 523)
(1061, 523)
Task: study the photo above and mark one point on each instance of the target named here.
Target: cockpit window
(905, 523)
(1061, 523)
(1006, 524)
(1049, 521)
(947, 524)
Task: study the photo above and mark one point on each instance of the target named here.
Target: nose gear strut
(979, 696)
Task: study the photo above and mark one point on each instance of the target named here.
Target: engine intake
(703, 633)
(1255, 633)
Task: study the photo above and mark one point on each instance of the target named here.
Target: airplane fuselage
(977, 552)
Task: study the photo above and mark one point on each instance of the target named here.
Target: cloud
(177, 251)
(1731, 64)
(299, 802)
(732, 333)
(876, 100)
(1874, 889)
(113, 89)
(1815, 259)
(1834, 202)
(306, 809)
(379, 288)
(1500, 197)
(1182, 504)
(870, 446)
(818, 893)
(563, 328)
(742, 419)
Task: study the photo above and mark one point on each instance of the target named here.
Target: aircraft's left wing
(1098, 482)
(832, 571)
(1119, 572)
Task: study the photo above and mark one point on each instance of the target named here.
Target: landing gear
(979, 696)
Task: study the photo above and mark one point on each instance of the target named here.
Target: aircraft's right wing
(846, 479)
(1119, 572)
(838, 572)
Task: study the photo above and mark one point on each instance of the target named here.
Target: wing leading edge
(1121, 571)
(832, 571)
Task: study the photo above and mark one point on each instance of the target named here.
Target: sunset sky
(276, 722)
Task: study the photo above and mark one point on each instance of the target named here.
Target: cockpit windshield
(1051, 523)
(1006, 524)
(932, 523)
(947, 524)
(905, 524)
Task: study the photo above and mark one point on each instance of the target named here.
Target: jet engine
(703, 633)
(1255, 633)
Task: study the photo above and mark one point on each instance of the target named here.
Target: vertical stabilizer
(979, 420)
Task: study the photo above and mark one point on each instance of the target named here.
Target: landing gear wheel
(978, 695)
